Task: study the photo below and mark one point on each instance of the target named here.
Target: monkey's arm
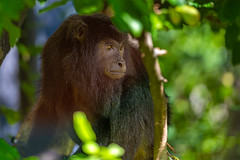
(133, 126)
(40, 133)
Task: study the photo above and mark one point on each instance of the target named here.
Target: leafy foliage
(53, 5)
(10, 14)
(11, 115)
(90, 147)
(8, 152)
(229, 17)
(199, 84)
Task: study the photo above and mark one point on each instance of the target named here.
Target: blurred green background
(202, 39)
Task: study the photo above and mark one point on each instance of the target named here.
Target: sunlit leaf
(83, 127)
(105, 154)
(83, 157)
(115, 150)
(131, 16)
(88, 7)
(174, 158)
(189, 14)
(91, 148)
(156, 22)
(134, 25)
(206, 5)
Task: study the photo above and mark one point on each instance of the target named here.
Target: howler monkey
(89, 66)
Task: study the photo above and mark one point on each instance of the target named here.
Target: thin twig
(171, 148)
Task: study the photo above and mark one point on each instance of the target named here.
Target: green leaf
(53, 5)
(83, 157)
(83, 127)
(29, 3)
(91, 148)
(13, 31)
(11, 115)
(31, 158)
(10, 14)
(115, 150)
(79, 156)
(105, 154)
(131, 16)
(155, 22)
(174, 16)
(176, 2)
(27, 88)
(135, 26)
(88, 7)
(190, 15)
(14, 34)
(8, 152)
(174, 158)
(206, 5)
(112, 152)
(41, 1)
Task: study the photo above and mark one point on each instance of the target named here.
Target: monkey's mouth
(114, 74)
(117, 72)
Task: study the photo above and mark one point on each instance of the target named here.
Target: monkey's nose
(121, 64)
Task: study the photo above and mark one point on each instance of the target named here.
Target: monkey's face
(110, 53)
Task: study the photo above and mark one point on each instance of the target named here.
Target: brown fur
(73, 78)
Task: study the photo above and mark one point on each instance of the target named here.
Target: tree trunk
(29, 68)
(4, 46)
(159, 99)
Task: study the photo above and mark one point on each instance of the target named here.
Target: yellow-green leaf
(91, 148)
(83, 127)
(190, 15)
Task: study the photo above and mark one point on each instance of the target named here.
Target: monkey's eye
(121, 48)
(109, 47)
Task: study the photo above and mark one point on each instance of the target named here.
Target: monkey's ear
(81, 31)
(78, 30)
